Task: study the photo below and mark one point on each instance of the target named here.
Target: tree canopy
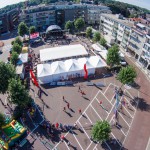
(89, 32)
(97, 36)
(103, 42)
(127, 75)
(2, 120)
(16, 48)
(7, 71)
(79, 23)
(101, 131)
(18, 41)
(113, 57)
(18, 95)
(22, 29)
(32, 29)
(14, 58)
(69, 25)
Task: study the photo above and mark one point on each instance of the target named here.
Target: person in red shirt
(79, 111)
(57, 125)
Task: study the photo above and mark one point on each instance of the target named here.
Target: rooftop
(123, 21)
(62, 52)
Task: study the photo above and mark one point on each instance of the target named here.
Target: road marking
(66, 145)
(116, 139)
(107, 88)
(89, 145)
(78, 118)
(96, 112)
(88, 117)
(84, 130)
(77, 140)
(124, 119)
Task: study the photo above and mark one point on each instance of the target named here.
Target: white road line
(89, 105)
(77, 141)
(66, 145)
(95, 147)
(102, 106)
(78, 118)
(106, 98)
(107, 88)
(120, 129)
(84, 130)
(130, 126)
(88, 117)
(116, 139)
(124, 119)
(96, 112)
(110, 111)
(107, 146)
(89, 145)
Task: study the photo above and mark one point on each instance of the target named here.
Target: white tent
(44, 73)
(73, 67)
(23, 57)
(98, 47)
(103, 54)
(89, 66)
(97, 62)
(62, 52)
(58, 70)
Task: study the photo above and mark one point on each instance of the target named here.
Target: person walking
(57, 125)
(100, 102)
(68, 105)
(62, 138)
(79, 111)
(79, 89)
(64, 109)
(63, 98)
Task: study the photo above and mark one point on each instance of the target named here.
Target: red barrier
(34, 78)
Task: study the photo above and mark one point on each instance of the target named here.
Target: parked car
(123, 62)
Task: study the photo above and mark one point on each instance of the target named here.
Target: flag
(34, 78)
(86, 72)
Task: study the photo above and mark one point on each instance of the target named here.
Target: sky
(4, 3)
(141, 3)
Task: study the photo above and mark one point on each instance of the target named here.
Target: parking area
(81, 139)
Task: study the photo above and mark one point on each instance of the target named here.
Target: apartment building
(131, 36)
(43, 16)
(40, 16)
(9, 21)
(94, 12)
(115, 29)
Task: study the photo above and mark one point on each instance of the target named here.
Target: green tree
(7, 71)
(22, 29)
(113, 57)
(2, 120)
(101, 131)
(127, 75)
(16, 48)
(79, 23)
(103, 42)
(18, 41)
(69, 25)
(14, 58)
(12, 42)
(32, 29)
(18, 95)
(96, 37)
(89, 32)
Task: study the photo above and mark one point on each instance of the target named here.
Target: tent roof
(103, 53)
(86, 61)
(43, 70)
(23, 57)
(53, 27)
(97, 62)
(58, 67)
(98, 47)
(62, 52)
(72, 65)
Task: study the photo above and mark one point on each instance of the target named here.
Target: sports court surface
(80, 139)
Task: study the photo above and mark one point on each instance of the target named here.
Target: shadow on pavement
(142, 104)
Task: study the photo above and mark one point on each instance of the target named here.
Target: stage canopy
(62, 52)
